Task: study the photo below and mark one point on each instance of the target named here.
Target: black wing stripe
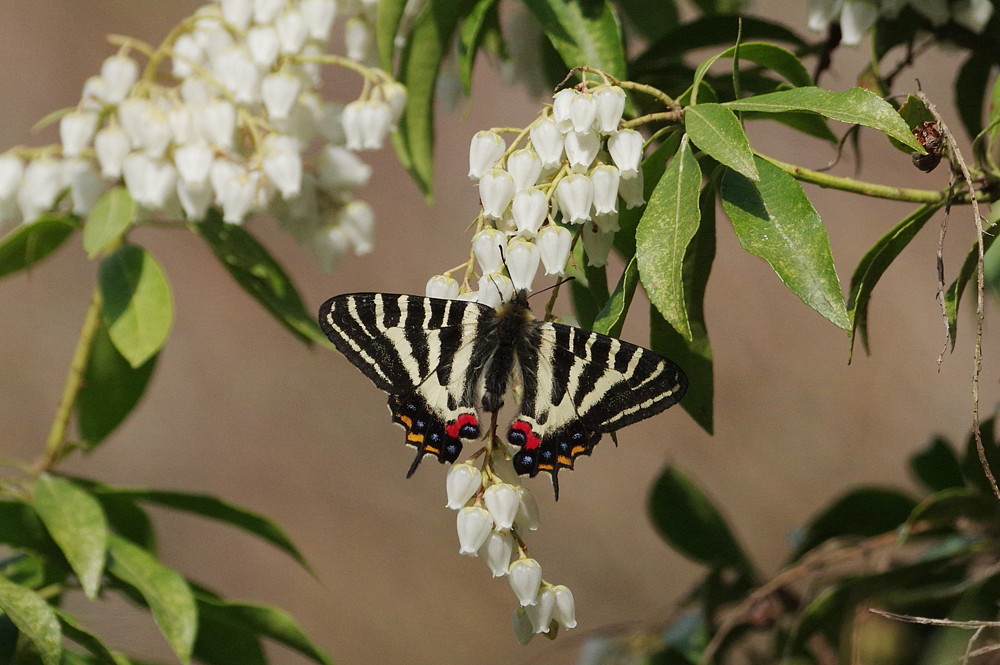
(414, 319)
(343, 320)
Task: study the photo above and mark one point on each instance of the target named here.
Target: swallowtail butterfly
(445, 363)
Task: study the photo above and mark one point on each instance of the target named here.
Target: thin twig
(951, 623)
(939, 260)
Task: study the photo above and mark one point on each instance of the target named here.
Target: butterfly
(446, 363)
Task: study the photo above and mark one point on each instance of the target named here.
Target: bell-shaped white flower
(329, 246)
(340, 169)
(279, 92)
(630, 189)
(366, 124)
(607, 222)
(547, 141)
(575, 196)
(562, 106)
(238, 74)
(214, 36)
(357, 220)
(132, 116)
(463, 480)
(119, 73)
(498, 548)
(501, 501)
(282, 164)
(522, 262)
(292, 30)
(94, 92)
(443, 286)
(610, 106)
(597, 244)
(527, 510)
(605, 180)
(182, 124)
(474, 525)
(111, 145)
(394, 94)
(265, 11)
(484, 151)
(237, 13)
(150, 181)
(856, 19)
(75, 131)
(582, 149)
(625, 147)
(822, 12)
(319, 15)
(488, 245)
(40, 186)
(359, 39)
(565, 609)
(541, 612)
(218, 123)
(195, 199)
(554, 244)
(263, 45)
(496, 189)
(195, 92)
(193, 162)
(85, 185)
(529, 209)
(235, 189)
(525, 577)
(525, 167)
(583, 113)
(11, 172)
(494, 289)
(186, 52)
(973, 14)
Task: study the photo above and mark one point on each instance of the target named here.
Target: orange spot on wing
(577, 450)
(565, 461)
(415, 438)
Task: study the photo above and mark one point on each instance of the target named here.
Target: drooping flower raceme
(856, 17)
(232, 118)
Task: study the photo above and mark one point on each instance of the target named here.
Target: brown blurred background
(240, 409)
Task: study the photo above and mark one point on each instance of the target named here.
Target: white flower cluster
(238, 124)
(575, 161)
(856, 17)
(493, 509)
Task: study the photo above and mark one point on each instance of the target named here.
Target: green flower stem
(866, 188)
(74, 380)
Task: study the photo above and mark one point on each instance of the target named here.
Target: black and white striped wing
(583, 384)
(416, 349)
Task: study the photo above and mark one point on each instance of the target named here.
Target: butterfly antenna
(554, 286)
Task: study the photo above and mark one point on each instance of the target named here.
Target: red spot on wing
(453, 428)
(532, 440)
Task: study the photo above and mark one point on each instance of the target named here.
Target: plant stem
(74, 380)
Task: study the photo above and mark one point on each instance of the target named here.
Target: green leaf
(420, 62)
(948, 506)
(34, 617)
(688, 520)
(137, 309)
(937, 466)
(111, 389)
(652, 170)
(584, 33)
(470, 38)
(665, 230)
(971, 87)
(28, 244)
(611, 318)
(169, 597)
(222, 643)
(807, 123)
(775, 58)
(269, 622)
(914, 113)
(128, 519)
(108, 220)
(254, 269)
(651, 18)
(854, 106)
(390, 14)
(774, 220)
(953, 296)
(212, 508)
(875, 262)
(76, 522)
(20, 528)
(716, 130)
(74, 631)
(863, 512)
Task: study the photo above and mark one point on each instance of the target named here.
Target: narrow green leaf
(34, 617)
(717, 131)
(212, 508)
(583, 33)
(807, 123)
(169, 597)
(947, 506)
(953, 296)
(611, 318)
(262, 620)
(914, 113)
(20, 528)
(111, 389)
(864, 512)
(28, 244)
(651, 18)
(128, 520)
(937, 466)
(874, 263)
(774, 220)
(222, 643)
(854, 106)
(108, 220)
(76, 522)
(779, 60)
(470, 38)
(72, 629)
(137, 309)
(690, 522)
(254, 269)
(665, 230)
(971, 87)
(388, 18)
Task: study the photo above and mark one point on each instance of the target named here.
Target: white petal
(11, 171)
(499, 547)
(279, 92)
(193, 162)
(119, 73)
(562, 104)
(575, 195)
(525, 167)
(625, 147)
(484, 150)
(554, 243)
(610, 106)
(597, 244)
(541, 612)
(547, 141)
(522, 264)
(583, 113)
(565, 609)
(75, 131)
(527, 510)
(463, 480)
(605, 180)
(525, 577)
(474, 525)
(856, 20)
(340, 169)
(501, 501)
(822, 13)
(630, 189)
(496, 189)
(292, 31)
(495, 288)
(582, 149)
(487, 246)
(529, 209)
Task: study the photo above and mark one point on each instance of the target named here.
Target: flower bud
(630, 189)
(75, 131)
(119, 73)
(111, 146)
(501, 501)
(562, 105)
(319, 15)
(525, 167)
(186, 51)
(265, 11)
(575, 195)
(525, 577)
(235, 189)
(193, 162)
(582, 149)
(282, 164)
(218, 123)
(499, 547)
(279, 92)
(625, 147)
(565, 609)
(292, 31)
(547, 141)
(554, 244)
(394, 94)
(857, 18)
(540, 613)
(366, 124)
(484, 150)
(487, 246)
(605, 179)
(610, 106)
(85, 185)
(583, 113)
(474, 525)
(238, 74)
(359, 40)
(597, 244)
(340, 169)
(496, 189)
(40, 186)
(237, 13)
(150, 181)
(443, 286)
(522, 264)
(529, 209)
(194, 198)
